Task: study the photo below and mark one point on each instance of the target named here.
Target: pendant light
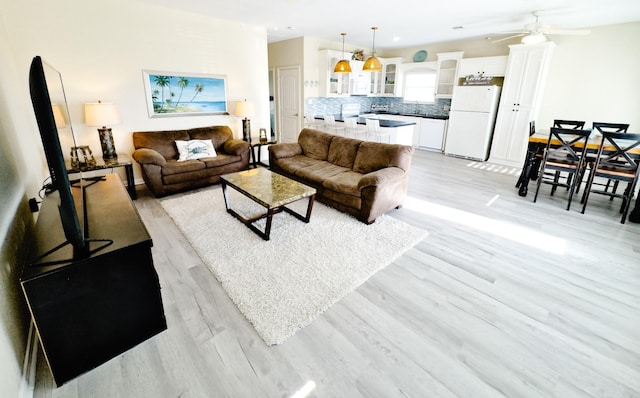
(343, 65)
(373, 64)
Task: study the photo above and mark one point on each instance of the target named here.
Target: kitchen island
(400, 131)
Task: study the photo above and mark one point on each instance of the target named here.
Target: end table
(256, 160)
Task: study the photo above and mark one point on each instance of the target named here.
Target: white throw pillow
(195, 149)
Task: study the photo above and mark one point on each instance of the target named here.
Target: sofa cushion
(346, 183)
(220, 160)
(217, 134)
(315, 144)
(319, 172)
(342, 151)
(195, 149)
(160, 141)
(175, 167)
(374, 156)
(295, 163)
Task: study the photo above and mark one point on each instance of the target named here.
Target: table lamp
(102, 114)
(245, 109)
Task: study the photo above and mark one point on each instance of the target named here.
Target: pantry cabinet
(522, 91)
(486, 66)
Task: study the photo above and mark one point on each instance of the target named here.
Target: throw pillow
(195, 149)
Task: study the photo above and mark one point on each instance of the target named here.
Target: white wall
(595, 78)
(101, 48)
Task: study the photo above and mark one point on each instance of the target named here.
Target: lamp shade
(100, 114)
(244, 108)
(372, 64)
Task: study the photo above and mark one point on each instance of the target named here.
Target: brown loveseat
(364, 179)
(164, 174)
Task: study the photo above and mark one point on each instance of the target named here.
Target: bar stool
(354, 129)
(374, 131)
(312, 123)
(330, 125)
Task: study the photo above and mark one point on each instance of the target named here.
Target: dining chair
(354, 129)
(618, 158)
(568, 124)
(599, 128)
(565, 155)
(330, 125)
(531, 161)
(374, 132)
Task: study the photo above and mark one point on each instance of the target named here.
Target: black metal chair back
(601, 127)
(565, 152)
(618, 159)
(568, 124)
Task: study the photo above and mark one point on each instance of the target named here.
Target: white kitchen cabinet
(446, 73)
(332, 84)
(384, 83)
(487, 66)
(524, 83)
(431, 134)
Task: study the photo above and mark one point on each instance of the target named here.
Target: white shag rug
(283, 284)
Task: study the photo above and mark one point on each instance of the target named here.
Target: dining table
(533, 158)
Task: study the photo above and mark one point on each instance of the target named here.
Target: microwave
(360, 86)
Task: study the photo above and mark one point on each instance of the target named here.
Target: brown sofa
(157, 154)
(364, 179)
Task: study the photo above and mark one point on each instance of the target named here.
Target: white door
(289, 103)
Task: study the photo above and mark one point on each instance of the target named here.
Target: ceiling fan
(536, 32)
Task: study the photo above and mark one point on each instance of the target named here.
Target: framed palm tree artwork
(185, 94)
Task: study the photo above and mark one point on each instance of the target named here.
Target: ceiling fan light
(534, 38)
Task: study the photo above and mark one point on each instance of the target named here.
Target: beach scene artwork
(172, 94)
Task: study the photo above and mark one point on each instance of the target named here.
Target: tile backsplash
(315, 106)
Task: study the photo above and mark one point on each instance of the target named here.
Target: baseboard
(27, 386)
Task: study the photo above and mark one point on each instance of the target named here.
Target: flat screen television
(54, 122)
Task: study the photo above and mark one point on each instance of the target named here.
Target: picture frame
(170, 94)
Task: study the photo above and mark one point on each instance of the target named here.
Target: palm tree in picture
(182, 83)
(154, 100)
(162, 82)
(198, 88)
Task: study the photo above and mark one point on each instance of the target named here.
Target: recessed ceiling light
(396, 38)
(291, 27)
(458, 27)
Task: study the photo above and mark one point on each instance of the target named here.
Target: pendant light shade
(343, 65)
(372, 64)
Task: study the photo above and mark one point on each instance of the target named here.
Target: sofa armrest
(381, 177)
(235, 147)
(285, 150)
(148, 156)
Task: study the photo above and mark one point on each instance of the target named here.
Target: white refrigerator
(471, 121)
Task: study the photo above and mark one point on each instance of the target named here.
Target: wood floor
(504, 298)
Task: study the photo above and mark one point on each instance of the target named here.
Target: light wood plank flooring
(504, 298)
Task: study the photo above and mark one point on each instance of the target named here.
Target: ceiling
(408, 23)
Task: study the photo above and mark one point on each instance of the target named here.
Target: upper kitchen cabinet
(332, 84)
(384, 83)
(524, 83)
(486, 66)
(446, 73)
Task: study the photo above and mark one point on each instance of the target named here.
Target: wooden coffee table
(270, 190)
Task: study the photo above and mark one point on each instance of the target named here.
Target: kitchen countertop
(440, 117)
(362, 120)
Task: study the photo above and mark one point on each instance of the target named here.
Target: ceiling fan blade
(509, 37)
(579, 32)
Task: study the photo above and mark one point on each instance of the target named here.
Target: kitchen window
(420, 86)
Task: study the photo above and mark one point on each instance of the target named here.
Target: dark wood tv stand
(89, 310)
